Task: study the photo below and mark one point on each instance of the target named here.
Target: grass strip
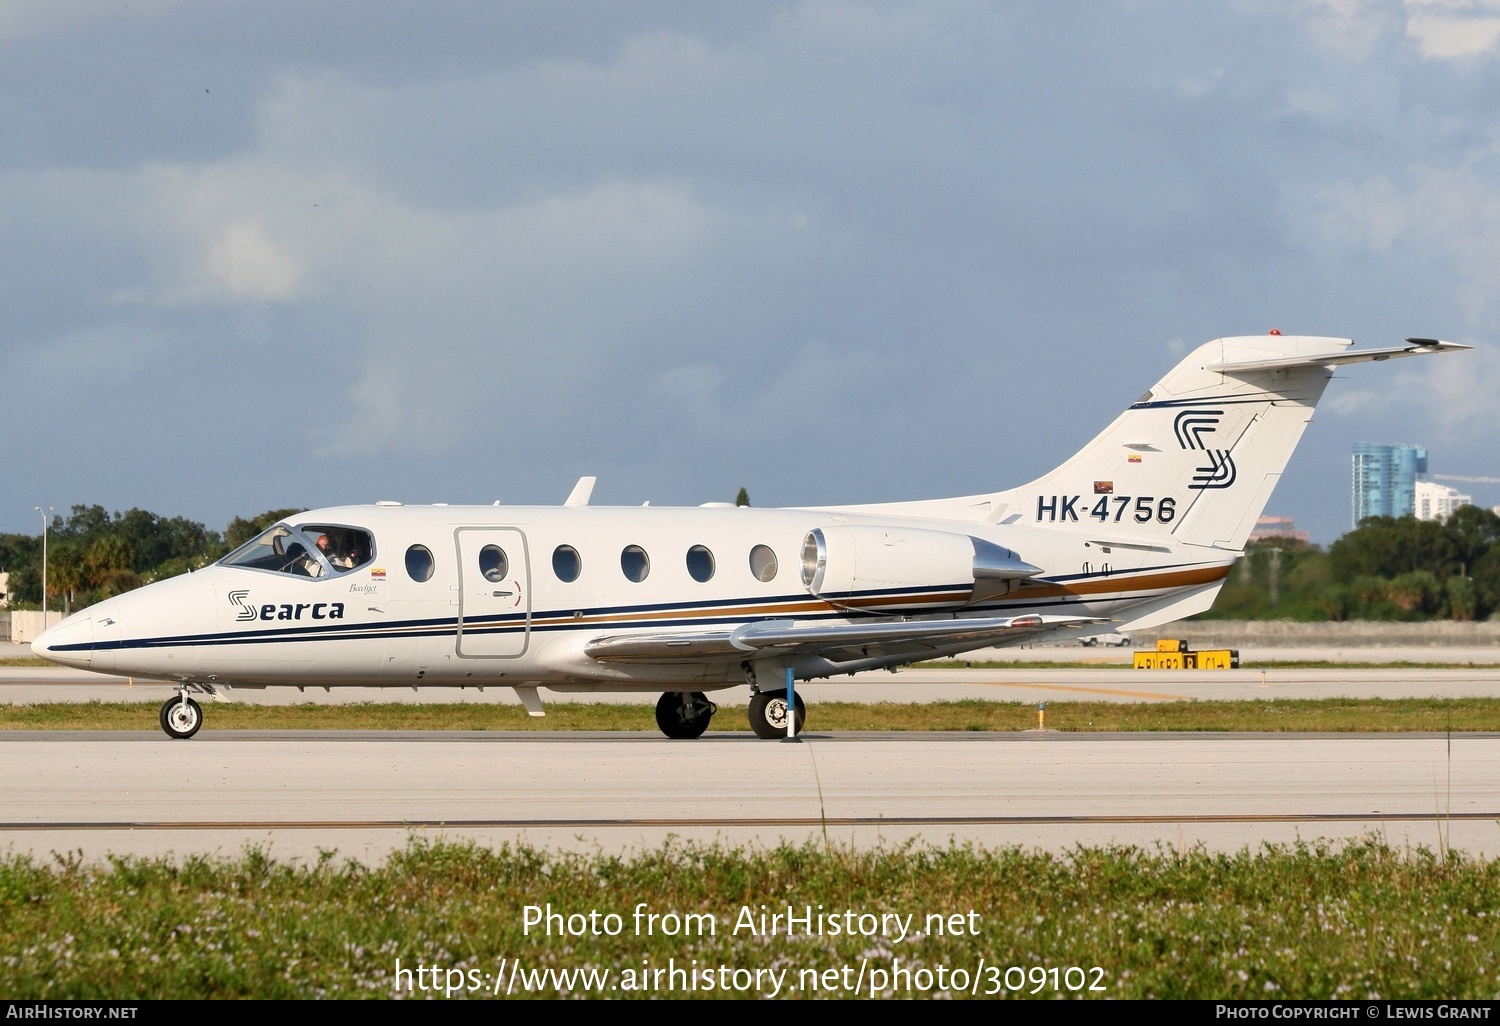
(1331, 715)
(1307, 921)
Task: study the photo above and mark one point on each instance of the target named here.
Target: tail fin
(1196, 458)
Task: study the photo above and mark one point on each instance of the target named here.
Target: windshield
(305, 551)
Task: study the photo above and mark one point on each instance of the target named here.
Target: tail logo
(1190, 427)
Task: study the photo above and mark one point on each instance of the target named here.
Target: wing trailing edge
(787, 637)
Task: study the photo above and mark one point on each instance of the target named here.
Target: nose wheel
(684, 714)
(181, 716)
(768, 714)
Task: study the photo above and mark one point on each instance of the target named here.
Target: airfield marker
(791, 708)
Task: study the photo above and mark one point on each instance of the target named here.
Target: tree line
(93, 554)
(1386, 569)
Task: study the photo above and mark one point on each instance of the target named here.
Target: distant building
(1385, 479)
(1435, 501)
(4, 590)
(1267, 528)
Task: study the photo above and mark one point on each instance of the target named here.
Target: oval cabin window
(763, 563)
(700, 563)
(419, 563)
(566, 563)
(634, 563)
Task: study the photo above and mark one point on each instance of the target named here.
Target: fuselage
(493, 595)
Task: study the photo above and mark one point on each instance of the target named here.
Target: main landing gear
(768, 714)
(683, 714)
(181, 716)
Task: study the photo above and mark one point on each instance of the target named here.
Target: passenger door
(494, 586)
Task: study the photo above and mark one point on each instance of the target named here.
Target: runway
(363, 794)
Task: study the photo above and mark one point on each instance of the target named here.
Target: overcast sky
(256, 255)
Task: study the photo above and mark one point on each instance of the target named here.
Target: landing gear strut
(768, 714)
(684, 714)
(181, 716)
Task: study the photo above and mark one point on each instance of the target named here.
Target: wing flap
(787, 637)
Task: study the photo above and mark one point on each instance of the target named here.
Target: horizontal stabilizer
(1334, 358)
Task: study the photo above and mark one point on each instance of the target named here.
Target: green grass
(1330, 715)
(1311, 921)
(25, 661)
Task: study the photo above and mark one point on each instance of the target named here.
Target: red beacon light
(1275, 331)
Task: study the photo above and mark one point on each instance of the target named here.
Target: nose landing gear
(181, 716)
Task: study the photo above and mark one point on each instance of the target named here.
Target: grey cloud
(829, 251)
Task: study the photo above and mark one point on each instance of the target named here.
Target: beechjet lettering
(1138, 529)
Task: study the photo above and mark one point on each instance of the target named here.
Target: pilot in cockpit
(300, 561)
(342, 560)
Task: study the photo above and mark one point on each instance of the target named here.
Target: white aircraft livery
(1138, 529)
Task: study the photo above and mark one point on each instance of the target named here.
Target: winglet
(579, 496)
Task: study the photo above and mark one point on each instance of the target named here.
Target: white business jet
(1138, 529)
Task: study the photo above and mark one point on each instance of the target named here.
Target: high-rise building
(1385, 479)
(1436, 502)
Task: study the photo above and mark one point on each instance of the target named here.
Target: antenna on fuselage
(579, 496)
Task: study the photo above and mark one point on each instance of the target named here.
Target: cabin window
(763, 563)
(566, 563)
(634, 563)
(419, 563)
(311, 550)
(700, 563)
(493, 564)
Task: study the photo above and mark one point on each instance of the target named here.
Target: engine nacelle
(899, 567)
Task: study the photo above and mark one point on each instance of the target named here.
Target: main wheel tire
(181, 719)
(684, 714)
(768, 714)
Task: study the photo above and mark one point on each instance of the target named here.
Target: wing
(838, 643)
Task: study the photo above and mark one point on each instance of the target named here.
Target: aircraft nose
(70, 643)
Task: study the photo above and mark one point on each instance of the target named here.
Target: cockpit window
(311, 550)
(345, 548)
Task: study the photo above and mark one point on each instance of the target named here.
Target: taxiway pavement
(365, 794)
(25, 685)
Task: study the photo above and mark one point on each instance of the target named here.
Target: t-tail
(1195, 459)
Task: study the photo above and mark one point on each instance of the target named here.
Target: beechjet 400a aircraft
(1138, 529)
